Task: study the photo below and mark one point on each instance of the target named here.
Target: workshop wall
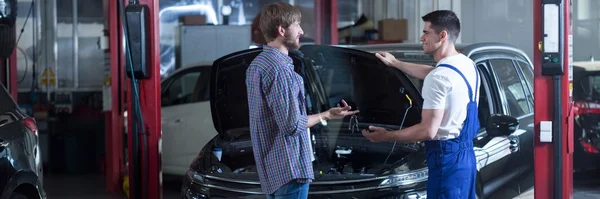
(91, 57)
(507, 21)
(512, 24)
(411, 10)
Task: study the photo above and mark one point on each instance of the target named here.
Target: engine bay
(339, 149)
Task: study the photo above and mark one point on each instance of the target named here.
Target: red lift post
(8, 73)
(115, 119)
(553, 169)
(326, 30)
(12, 75)
(149, 92)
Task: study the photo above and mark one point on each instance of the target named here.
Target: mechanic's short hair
(277, 14)
(444, 20)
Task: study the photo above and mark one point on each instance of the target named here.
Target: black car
(20, 157)
(586, 97)
(347, 165)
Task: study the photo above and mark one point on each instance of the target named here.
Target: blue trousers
(291, 190)
(452, 173)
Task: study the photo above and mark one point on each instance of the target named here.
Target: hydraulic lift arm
(553, 143)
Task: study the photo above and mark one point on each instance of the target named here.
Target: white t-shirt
(444, 88)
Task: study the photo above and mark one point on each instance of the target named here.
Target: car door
(526, 140)
(501, 158)
(492, 153)
(515, 78)
(186, 119)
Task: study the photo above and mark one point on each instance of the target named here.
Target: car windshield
(417, 58)
(380, 92)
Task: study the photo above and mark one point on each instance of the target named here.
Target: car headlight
(407, 178)
(195, 177)
(187, 192)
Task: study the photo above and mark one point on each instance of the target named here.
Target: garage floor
(92, 187)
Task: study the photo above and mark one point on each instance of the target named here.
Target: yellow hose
(126, 185)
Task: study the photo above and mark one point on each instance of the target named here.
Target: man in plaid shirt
(278, 121)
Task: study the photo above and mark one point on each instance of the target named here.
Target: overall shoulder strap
(465, 79)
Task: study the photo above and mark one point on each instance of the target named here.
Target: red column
(114, 118)
(544, 92)
(567, 108)
(326, 13)
(319, 20)
(12, 72)
(149, 92)
(333, 22)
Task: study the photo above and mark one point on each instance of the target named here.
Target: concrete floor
(92, 187)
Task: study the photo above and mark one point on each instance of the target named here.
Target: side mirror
(501, 125)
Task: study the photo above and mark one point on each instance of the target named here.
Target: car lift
(144, 174)
(552, 41)
(141, 43)
(553, 153)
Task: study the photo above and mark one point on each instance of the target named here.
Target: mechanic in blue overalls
(449, 120)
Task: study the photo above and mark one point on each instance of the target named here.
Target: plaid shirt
(278, 120)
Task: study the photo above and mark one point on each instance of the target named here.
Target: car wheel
(17, 196)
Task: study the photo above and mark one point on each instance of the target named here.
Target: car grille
(371, 186)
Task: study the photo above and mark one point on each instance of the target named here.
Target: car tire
(17, 196)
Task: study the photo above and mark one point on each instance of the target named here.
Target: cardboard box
(194, 20)
(393, 30)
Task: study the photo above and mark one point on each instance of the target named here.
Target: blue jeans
(291, 190)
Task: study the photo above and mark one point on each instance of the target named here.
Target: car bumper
(584, 161)
(192, 190)
(587, 145)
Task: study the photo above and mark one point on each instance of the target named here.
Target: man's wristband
(323, 122)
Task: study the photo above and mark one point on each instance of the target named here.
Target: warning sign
(570, 67)
(48, 77)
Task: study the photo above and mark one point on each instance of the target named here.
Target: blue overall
(451, 163)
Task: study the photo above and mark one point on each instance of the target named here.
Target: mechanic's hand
(340, 112)
(386, 58)
(377, 134)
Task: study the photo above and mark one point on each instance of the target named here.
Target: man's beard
(289, 42)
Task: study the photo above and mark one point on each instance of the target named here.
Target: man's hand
(340, 112)
(386, 58)
(377, 134)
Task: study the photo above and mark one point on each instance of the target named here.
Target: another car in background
(186, 118)
(586, 97)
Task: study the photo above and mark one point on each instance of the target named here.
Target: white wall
(411, 10)
(91, 59)
(586, 33)
(506, 21)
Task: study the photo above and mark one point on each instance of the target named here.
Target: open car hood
(382, 94)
